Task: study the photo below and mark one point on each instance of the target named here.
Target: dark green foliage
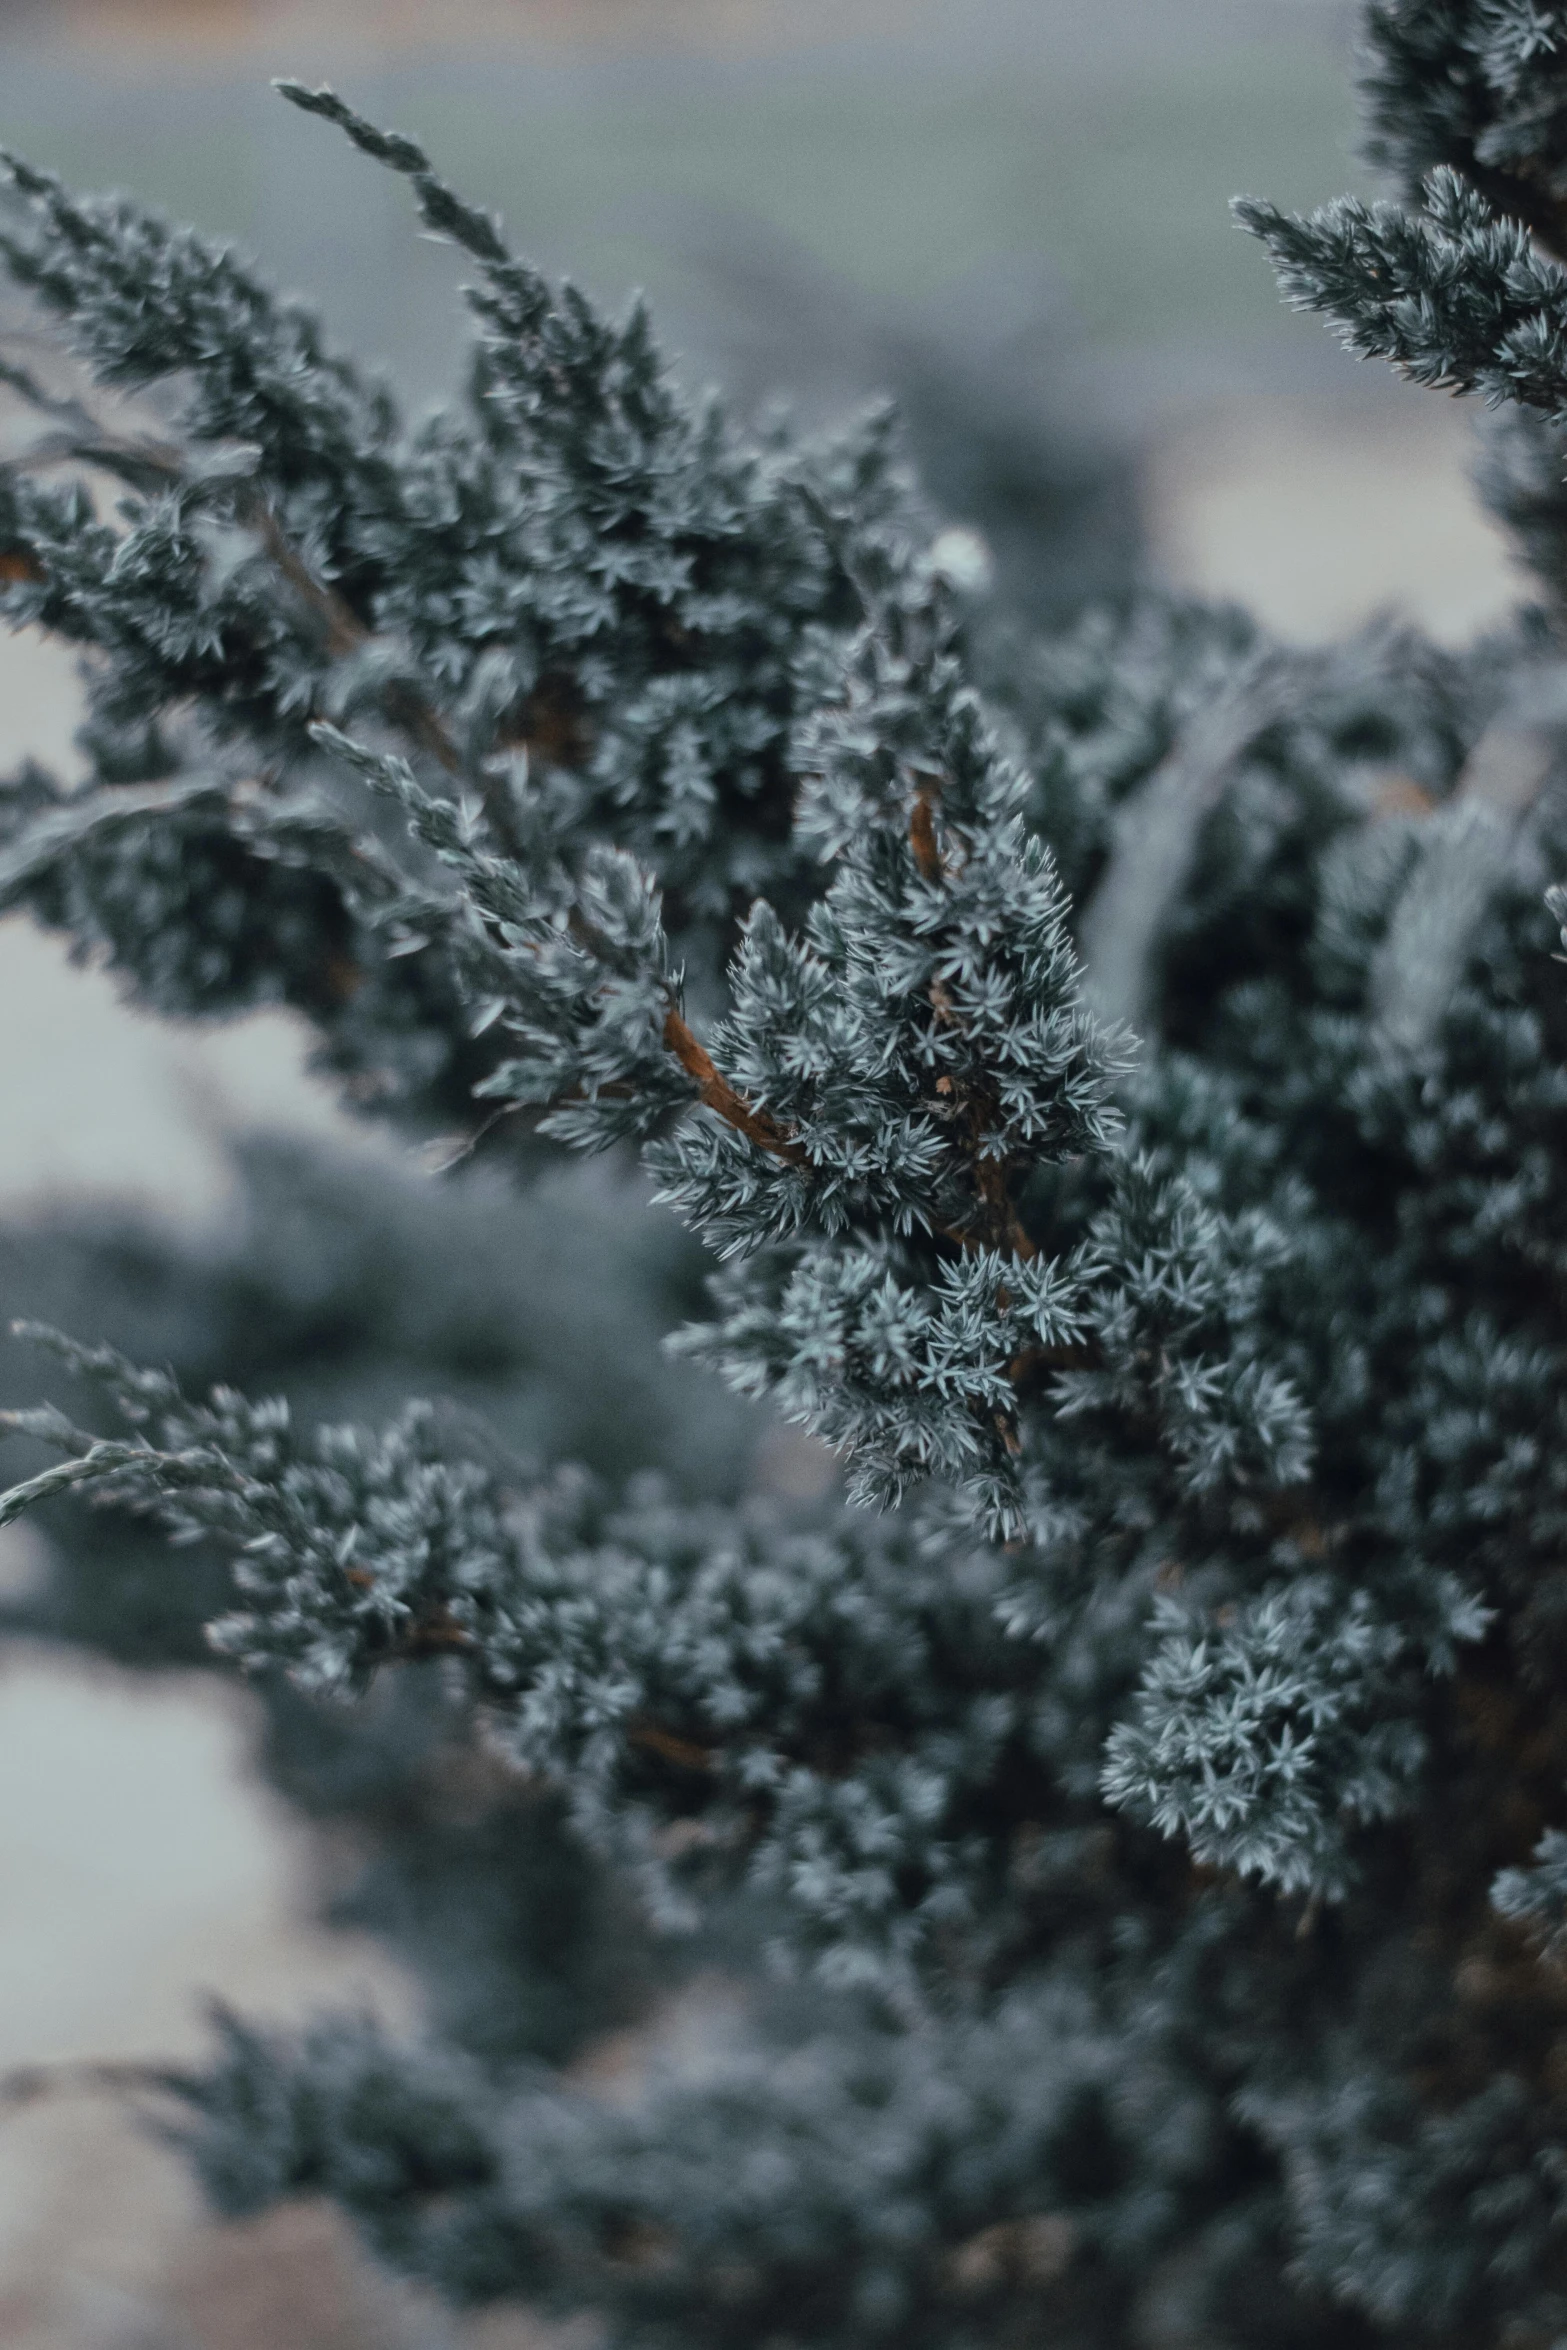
(346, 1284)
(616, 595)
(1153, 1820)
(1478, 85)
(873, 2188)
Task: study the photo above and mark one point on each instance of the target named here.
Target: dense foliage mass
(1123, 1079)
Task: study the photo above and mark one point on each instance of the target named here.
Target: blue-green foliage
(879, 2189)
(572, 571)
(1266, 1739)
(1156, 1808)
(1480, 85)
(923, 1047)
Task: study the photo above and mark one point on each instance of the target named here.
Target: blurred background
(1009, 214)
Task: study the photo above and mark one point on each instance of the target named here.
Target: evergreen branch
(1453, 296)
(638, 590)
(711, 2196)
(603, 1642)
(443, 213)
(1228, 1440)
(1465, 850)
(99, 1460)
(1262, 1749)
(97, 816)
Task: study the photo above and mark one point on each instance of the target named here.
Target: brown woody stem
(670, 1748)
(19, 567)
(719, 1095)
(922, 834)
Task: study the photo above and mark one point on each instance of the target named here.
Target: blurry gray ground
(982, 167)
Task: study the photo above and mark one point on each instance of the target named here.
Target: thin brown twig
(345, 631)
(719, 1095)
(922, 832)
(669, 1747)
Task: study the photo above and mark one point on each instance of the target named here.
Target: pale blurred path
(96, 1098)
(1318, 513)
(141, 1867)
